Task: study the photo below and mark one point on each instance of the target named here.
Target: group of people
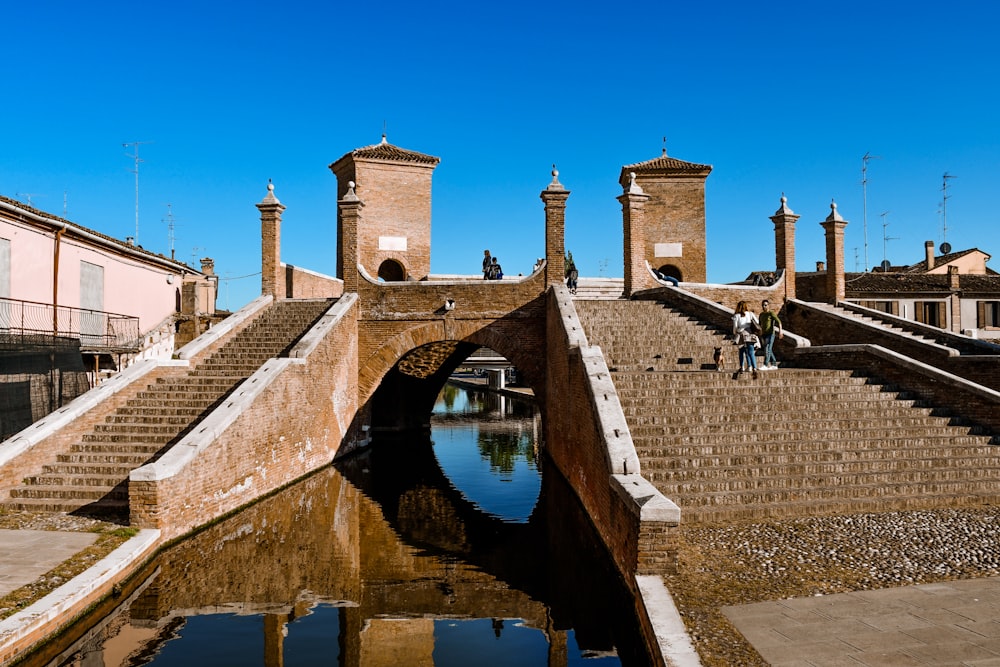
(491, 267)
(751, 332)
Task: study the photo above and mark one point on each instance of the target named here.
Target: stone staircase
(600, 288)
(793, 442)
(91, 478)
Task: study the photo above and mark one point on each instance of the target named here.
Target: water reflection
(381, 560)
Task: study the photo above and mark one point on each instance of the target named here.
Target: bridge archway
(403, 378)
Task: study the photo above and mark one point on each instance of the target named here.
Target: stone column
(834, 226)
(271, 280)
(633, 202)
(784, 220)
(555, 197)
(350, 215)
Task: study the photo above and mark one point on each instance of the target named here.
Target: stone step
(125, 438)
(841, 429)
(824, 487)
(79, 493)
(711, 467)
(89, 479)
(102, 507)
(166, 417)
(741, 440)
(139, 429)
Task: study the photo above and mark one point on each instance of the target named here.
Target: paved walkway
(954, 623)
(25, 555)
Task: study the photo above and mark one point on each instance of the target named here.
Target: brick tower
(674, 215)
(394, 232)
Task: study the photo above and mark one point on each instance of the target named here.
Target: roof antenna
(864, 199)
(944, 209)
(885, 238)
(664, 147)
(135, 156)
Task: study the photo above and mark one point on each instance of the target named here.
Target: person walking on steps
(571, 273)
(746, 329)
(770, 327)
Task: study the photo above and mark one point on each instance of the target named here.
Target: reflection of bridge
(391, 569)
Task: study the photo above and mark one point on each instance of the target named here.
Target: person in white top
(746, 329)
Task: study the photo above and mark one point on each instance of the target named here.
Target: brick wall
(675, 213)
(505, 315)
(249, 447)
(304, 284)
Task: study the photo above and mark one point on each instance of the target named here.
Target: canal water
(448, 548)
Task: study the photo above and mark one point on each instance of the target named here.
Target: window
(988, 314)
(933, 313)
(890, 307)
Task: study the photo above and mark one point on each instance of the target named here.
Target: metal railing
(95, 329)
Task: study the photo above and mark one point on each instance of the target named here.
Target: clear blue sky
(777, 96)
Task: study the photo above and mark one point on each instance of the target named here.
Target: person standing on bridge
(571, 273)
(770, 327)
(494, 272)
(746, 327)
(487, 263)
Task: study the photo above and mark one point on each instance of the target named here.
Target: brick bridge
(305, 372)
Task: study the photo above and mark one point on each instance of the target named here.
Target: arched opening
(671, 271)
(391, 271)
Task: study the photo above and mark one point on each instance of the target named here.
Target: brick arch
(499, 336)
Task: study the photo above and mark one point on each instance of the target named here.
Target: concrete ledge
(665, 623)
(621, 456)
(223, 328)
(651, 505)
(54, 421)
(60, 607)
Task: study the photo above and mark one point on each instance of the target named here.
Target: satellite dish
(886, 265)
(945, 248)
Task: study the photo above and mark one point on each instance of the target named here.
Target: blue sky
(779, 97)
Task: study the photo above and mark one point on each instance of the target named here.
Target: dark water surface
(451, 549)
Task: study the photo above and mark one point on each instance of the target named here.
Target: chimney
(953, 279)
(929, 250)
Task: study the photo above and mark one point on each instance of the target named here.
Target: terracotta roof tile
(941, 260)
(388, 152)
(664, 165)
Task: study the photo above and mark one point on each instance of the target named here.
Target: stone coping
(54, 421)
(666, 623)
(20, 632)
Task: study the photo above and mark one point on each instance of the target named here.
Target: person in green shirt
(770, 327)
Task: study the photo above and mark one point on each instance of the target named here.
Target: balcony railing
(97, 331)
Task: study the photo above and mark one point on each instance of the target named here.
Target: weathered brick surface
(250, 447)
(395, 318)
(577, 439)
(676, 213)
(303, 284)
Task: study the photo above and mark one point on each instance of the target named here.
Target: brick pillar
(272, 283)
(633, 202)
(555, 197)
(955, 299)
(834, 226)
(784, 220)
(350, 215)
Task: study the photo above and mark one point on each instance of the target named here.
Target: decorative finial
(350, 195)
(664, 147)
(633, 187)
(783, 209)
(384, 139)
(555, 184)
(834, 214)
(270, 185)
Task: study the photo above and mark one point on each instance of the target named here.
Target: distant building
(954, 291)
(75, 302)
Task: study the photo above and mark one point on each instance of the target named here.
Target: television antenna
(27, 196)
(135, 156)
(944, 205)
(194, 255)
(864, 198)
(885, 237)
(170, 229)
(855, 259)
